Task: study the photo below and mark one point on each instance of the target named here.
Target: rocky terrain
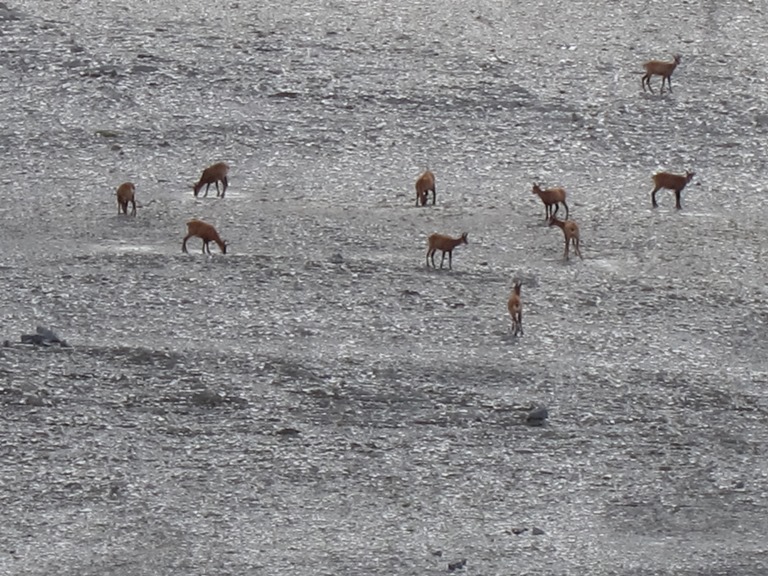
(318, 401)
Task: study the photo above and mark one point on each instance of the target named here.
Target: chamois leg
(677, 199)
(647, 81)
(555, 207)
(577, 248)
(566, 210)
(434, 195)
(450, 260)
(184, 243)
(565, 251)
(653, 197)
(133, 208)
(520, 321)
(442, 260)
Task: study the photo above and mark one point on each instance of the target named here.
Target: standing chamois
(515, 307)
(206, 233)
(571, 232)
(424, 185)
(659, 68)
(446, 244)
(126, 194)
(213, 175)
(670, 181)
(551, 197)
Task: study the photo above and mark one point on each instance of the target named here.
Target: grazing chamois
(213, 175)
(670, 181)
(571, 232)
(424, 185)
(446, 244)
(515, 307)
(659, 68)
(126, 193)
(206, 233)
(551, 197)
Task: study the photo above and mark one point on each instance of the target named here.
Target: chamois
(515, 307)
(424, 185)
(551, 197)
(571, 232)
(206, 233)
(659, 68)
(126, 193)
(446, 244)
(670, 181)
(213, 175)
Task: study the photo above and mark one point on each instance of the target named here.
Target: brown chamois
(206, 233)
(213, 175)
(424, 185)
(126, 193)
(551, 197)
(571, 232)
(670, 181)
(659, 68)
(515, 307)
(446, 244)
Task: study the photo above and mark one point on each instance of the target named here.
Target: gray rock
(537, 416)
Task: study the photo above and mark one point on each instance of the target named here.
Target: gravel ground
(317, 401)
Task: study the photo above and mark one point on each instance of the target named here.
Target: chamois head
(689, 175)
(464, 238)
(677, 58)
